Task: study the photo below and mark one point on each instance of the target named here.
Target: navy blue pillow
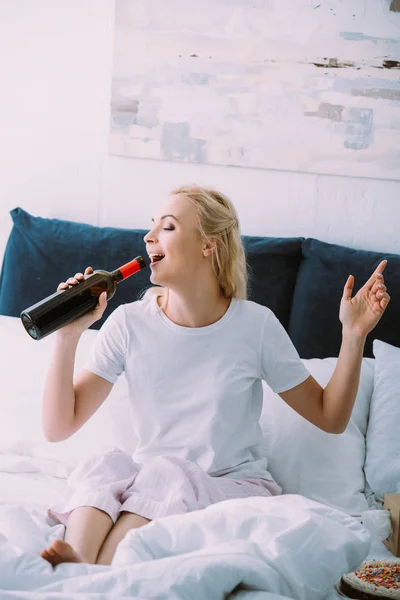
(314, 325)
(273, 265)
(42, 252)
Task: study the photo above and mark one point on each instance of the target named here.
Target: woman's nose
(149, 237)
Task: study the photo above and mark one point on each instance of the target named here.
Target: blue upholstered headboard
(301, 280)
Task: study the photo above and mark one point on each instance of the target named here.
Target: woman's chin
(156, 279)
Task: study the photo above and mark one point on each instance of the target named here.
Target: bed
(332, 515)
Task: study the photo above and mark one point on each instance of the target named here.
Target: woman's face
(175, 238)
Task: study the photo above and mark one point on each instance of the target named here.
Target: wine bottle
(67, 305)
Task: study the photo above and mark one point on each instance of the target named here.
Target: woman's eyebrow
(165, 216)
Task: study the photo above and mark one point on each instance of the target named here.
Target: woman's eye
(168, 228)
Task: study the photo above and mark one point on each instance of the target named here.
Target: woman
(194, 352)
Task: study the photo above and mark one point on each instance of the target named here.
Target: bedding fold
(253, 548)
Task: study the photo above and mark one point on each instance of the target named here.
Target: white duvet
(247, 549)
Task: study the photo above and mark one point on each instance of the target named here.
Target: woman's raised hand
(360, 314)
(84, 322)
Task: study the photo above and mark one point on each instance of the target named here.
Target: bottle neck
(130, 268)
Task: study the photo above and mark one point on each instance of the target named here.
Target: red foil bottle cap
(132, 267)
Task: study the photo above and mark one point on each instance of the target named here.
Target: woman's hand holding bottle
(78, 302)
(82, 323)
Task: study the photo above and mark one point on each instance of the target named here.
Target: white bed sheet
(32, 482)
(34, 490)
(28, 485)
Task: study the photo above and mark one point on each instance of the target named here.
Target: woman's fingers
(102, 301)
(381, 298)
(379, 288)
(380, 293)
(376, 275)
(384, 301)
(348, 288)
(74, 280)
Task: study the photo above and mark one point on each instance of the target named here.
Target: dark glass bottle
(67, 305)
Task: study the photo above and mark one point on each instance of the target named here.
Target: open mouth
(156, 258)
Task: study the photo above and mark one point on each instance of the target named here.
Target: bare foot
(60, 552)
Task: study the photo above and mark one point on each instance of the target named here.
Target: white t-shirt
(196, 393)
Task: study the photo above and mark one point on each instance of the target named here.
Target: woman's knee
(125, 522)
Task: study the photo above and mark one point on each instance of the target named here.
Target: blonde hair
(219, 225)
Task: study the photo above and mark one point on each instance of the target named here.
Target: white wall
(55, 76)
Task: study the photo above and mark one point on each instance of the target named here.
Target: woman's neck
(195, 310)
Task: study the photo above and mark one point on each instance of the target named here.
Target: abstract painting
(311, 86)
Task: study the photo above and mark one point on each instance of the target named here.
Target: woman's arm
(330, 408)
(68, 404)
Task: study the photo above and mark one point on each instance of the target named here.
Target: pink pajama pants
(162, 486)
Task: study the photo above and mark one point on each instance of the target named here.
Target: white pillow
(23, 369)
(382, 465)
(305, 460)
